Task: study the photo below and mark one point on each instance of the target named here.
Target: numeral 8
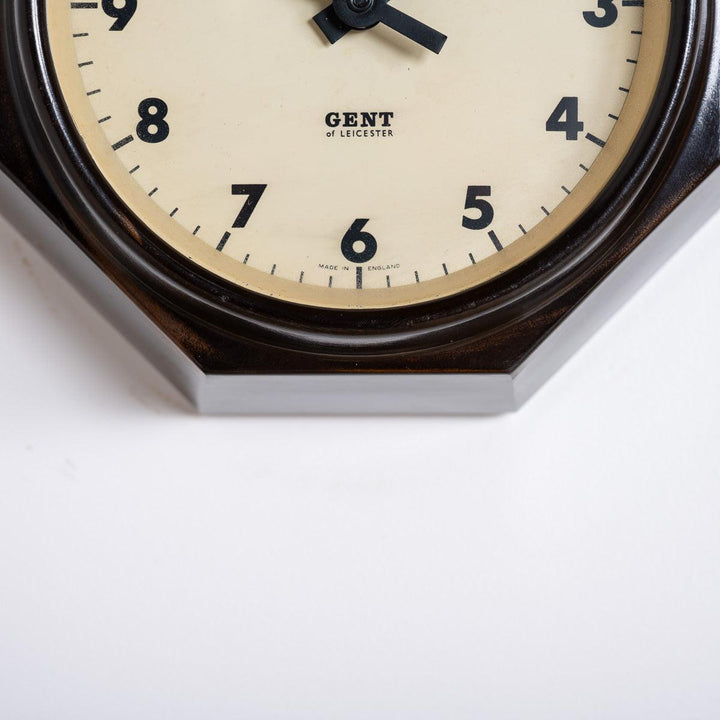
(152, 128)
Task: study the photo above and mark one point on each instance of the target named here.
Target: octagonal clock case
(358, 206)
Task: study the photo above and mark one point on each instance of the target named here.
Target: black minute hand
(411, 28)
(338, 19)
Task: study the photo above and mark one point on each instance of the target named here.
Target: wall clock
(363, 205)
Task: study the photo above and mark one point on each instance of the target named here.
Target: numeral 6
(356, 236)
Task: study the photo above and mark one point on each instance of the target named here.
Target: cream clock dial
(361, 155)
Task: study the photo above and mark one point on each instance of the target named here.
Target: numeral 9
(123, 15)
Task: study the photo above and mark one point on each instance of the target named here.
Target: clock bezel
(120, 240)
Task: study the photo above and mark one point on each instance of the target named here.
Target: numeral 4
(566, 118)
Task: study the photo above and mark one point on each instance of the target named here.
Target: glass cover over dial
(359, 153)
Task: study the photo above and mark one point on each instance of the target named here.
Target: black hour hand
(332, 27)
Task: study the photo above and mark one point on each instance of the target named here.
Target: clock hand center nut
(360, 6)
(359, 14)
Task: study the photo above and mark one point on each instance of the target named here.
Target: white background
(563, 562)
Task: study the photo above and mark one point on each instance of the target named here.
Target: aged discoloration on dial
(370, 172)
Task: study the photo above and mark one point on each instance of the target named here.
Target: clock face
(420, 157)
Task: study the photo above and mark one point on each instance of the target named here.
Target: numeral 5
(474, 201)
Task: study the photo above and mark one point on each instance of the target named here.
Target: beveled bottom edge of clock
(358, 394)
(354, 395)
(250, 394)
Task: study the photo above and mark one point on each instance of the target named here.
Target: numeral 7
(254, 193)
